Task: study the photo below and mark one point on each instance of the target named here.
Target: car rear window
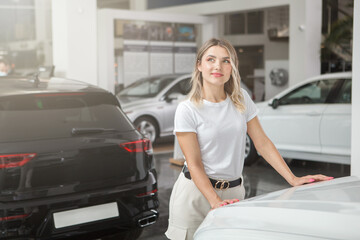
(42, 116)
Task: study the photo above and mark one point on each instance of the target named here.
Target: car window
(182, 87)
(344, 95)
(149, 87)
(311, 93)
(43, 116)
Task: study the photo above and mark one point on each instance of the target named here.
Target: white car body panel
(285, 122)
(324, 210)
(334, 130)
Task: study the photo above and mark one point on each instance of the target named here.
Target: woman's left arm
(269, 152)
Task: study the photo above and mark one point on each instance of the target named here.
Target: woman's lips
(217, 74)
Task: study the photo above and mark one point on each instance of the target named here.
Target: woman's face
(215, 66)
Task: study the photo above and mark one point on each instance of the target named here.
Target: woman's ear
(199, 65)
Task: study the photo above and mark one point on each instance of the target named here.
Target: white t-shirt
(221, 132)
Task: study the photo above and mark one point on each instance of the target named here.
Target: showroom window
(235, 24)
(146, 48)
(26, 35)
(244, 23)
(255, 22)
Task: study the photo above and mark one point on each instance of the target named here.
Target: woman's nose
(217, 65)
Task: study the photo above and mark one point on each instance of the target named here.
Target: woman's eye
(211, 60)
(226, 61)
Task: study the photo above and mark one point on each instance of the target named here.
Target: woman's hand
(297, 181)
(224, 202)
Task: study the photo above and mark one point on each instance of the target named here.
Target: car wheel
(148, 127)
(251, 155)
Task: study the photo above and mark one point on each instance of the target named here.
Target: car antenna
(36, 80)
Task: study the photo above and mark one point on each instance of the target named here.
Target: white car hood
(325, 210)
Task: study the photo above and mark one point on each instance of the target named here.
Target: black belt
(217, 184)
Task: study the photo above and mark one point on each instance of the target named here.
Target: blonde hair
(232, 87)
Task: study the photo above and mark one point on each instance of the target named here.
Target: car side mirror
(275, 103)
(172, 96)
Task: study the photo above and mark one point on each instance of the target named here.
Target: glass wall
(144, 49)
(25, 36)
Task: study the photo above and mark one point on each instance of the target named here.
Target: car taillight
(142, 145)
(150, 193)
(15, 160)
(13, 217)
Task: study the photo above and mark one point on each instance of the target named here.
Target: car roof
(19, 86)
(324, 210)
(332, 75)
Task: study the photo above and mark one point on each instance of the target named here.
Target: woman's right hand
(224, 202)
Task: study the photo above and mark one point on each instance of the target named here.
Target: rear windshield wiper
(77, 131)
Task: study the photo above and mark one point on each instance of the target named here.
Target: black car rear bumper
(137, 205)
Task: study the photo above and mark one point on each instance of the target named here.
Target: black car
(71, 163)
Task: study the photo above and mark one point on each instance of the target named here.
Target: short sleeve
(184, 119)
(251, 109)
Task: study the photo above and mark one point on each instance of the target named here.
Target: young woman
(211, 128)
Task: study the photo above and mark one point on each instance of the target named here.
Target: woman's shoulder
(245, 94)
(186, 106)
(187, 103)
(242, 90)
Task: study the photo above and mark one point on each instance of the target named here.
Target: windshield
(148, 87)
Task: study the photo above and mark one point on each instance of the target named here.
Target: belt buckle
(221, 184)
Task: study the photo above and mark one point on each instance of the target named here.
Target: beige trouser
(188, 207)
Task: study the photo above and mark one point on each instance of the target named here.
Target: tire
(251, 155)
(148, 127)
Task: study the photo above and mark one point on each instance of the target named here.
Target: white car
(310, 121)
(324, 210)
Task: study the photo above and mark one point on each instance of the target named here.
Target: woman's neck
(214, 94)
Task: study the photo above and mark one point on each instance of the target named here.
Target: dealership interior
(286, 49)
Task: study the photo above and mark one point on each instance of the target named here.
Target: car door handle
(313, 114)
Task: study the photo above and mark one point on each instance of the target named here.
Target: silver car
(150, 103)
